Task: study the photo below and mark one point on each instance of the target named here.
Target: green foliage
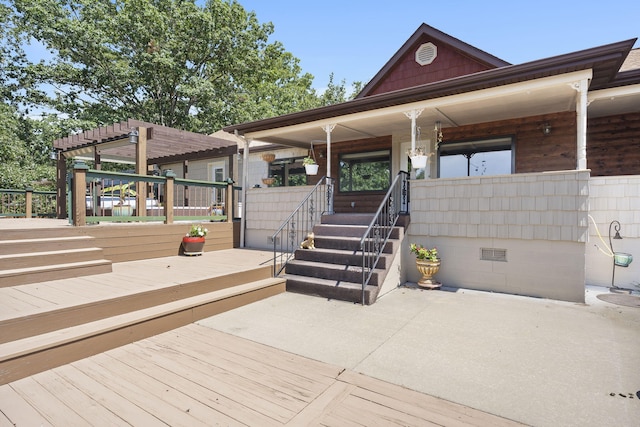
(170, 62)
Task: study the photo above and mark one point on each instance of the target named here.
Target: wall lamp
(546, 129)
(620, 259)
(133, 136)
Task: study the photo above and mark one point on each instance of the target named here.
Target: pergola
(138, 143)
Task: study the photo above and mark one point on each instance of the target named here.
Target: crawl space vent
(426, 53)
(492, 254)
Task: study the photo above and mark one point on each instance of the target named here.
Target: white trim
(474, 96)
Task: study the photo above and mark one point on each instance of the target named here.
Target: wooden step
(45, 244)
(348, 219)
(47, 320)
(22, 276)
(347, 243)
(330, 271)
(349, 230)
(331, 289)
(335, 256)
(38, 259)
(31, 355)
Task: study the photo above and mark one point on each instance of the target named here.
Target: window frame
(361, 157)
(476, 146)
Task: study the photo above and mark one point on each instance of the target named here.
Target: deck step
(23, 276)
(38, 259)
(335, 256)
(24, 357)
(10, 247)
(331, 289)
(345, 273)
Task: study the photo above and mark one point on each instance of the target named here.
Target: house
(530, 163)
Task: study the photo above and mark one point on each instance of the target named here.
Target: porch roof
(510, 91)
(164, 144)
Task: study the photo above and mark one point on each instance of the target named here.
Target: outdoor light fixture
(437, 130)
(53, 155)
(620, 259)
(546, 129)
(133, 136)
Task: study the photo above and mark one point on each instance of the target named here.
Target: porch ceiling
(506, 102)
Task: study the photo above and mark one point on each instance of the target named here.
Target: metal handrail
(395, 202)
(301, 221)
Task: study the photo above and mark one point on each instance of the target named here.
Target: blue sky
(355, 38)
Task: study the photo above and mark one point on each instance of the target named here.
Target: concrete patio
(536, 361)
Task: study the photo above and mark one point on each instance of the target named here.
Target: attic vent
(492, 254)
(426, 53)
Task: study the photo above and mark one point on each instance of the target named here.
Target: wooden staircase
(48, 323)
(334, 269)
(37, 255)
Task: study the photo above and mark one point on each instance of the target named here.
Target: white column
(582, 88)
(245, 182)
(328, 129)
(413, 115)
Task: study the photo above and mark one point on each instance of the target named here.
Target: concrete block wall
(542, 206)
(267, 208)
(614, 198)
(539, 220)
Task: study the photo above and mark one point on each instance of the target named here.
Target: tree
(169, 62)
(337, 93)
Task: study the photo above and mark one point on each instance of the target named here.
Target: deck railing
(395, 202)
(101, 196)
(295, 228)
(27, 203)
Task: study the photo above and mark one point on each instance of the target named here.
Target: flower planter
(418, 162)
(268, 181)
(122, 210)
(268, 157)
(428, 269)
(192, 245)
(311, 169)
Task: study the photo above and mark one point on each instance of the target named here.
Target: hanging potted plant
(310, 166)
(418, 158)
(428, 264)
(193, 242)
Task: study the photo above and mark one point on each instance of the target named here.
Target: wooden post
(28, 202)
(61, 187)
(141, 169)
(79, 206)
(229, 200)
(168, 195)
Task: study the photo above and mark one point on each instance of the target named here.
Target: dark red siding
(407, 72)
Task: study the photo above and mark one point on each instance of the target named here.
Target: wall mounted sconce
(546, 129)
(133, 136)
(53, 155)
(437, 130)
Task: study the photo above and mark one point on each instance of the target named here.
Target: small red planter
(192, 245)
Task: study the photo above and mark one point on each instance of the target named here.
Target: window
(365, 171)
(216, 174)
(476, 158)
(288, 172)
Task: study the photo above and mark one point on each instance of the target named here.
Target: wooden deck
(195, 375)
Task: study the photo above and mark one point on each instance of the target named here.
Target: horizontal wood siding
(534, 152)
(136, 242)
(613, 146)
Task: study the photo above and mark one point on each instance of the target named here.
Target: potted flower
(310, 166)
(193, 242)
(428, 264)
(418, 158)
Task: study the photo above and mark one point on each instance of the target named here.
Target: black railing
(295, 228)
(373, 241)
